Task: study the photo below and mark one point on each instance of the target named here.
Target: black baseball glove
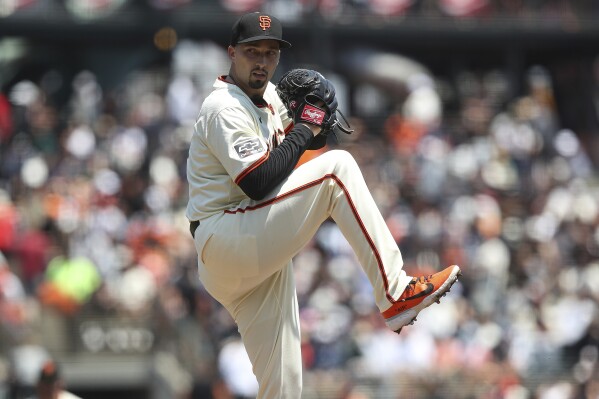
(310, 98)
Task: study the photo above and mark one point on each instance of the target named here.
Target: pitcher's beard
(257, 84)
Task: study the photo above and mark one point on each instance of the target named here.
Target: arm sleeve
(318, 142)
(280, 163)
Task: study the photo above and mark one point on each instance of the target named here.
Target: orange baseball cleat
(422, 292)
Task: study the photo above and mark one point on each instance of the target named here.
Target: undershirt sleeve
(318, 142)
(280, 163)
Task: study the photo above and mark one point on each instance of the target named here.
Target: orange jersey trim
(253, 166)
(288, 128)
(377, 255)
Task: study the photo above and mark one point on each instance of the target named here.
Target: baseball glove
(310, 98)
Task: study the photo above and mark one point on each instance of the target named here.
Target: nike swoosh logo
(429, 288)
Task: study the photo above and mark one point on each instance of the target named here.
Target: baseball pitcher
(251, 210)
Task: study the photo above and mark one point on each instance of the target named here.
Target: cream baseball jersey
(232, 137)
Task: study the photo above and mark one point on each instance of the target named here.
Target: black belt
(193, 226)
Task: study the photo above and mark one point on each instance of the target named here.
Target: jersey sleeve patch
(248, 146)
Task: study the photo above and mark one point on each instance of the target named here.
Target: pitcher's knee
(341, 162)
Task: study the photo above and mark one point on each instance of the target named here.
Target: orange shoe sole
(408, 316)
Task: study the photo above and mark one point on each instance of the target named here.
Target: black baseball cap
(258, 26)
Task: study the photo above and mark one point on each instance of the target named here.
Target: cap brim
(283, 43)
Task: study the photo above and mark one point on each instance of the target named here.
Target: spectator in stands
(50, 384)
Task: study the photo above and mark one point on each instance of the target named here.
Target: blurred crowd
(550, 11)
(92, 227)
(547, 13)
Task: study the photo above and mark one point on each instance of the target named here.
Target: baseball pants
(246, 251)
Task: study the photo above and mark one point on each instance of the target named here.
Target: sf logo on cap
(264, 22)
